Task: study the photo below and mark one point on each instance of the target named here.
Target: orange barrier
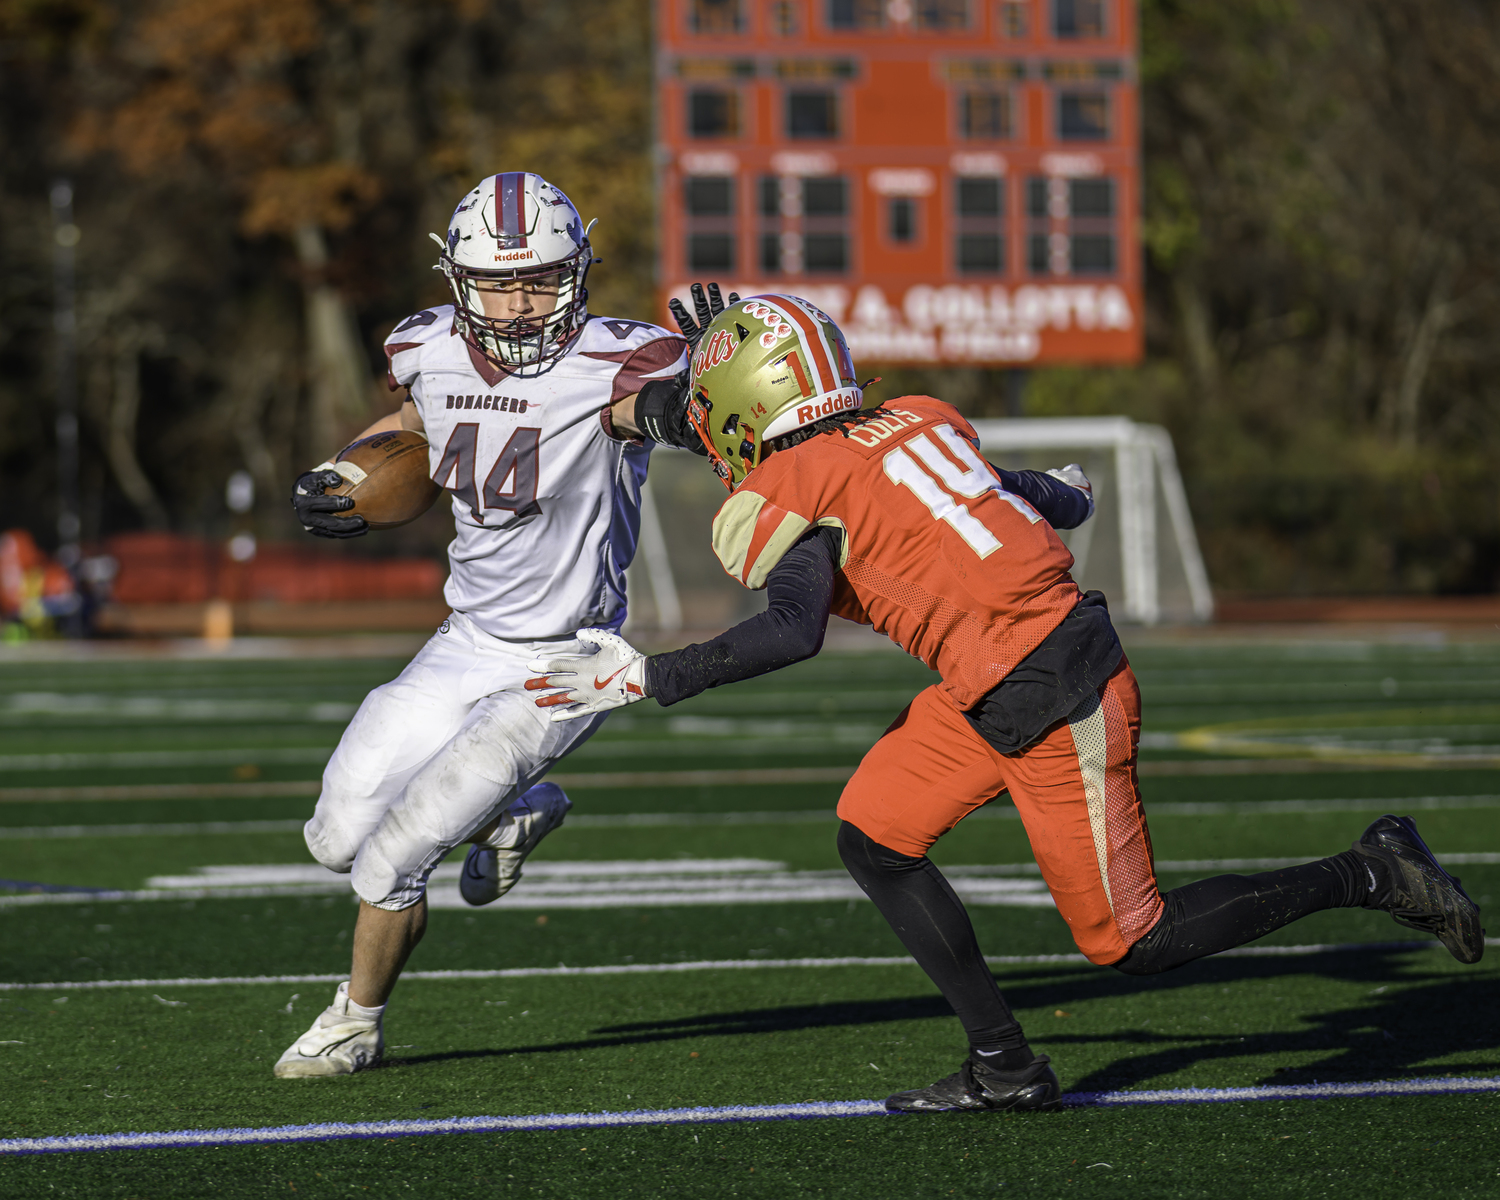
(165, 568)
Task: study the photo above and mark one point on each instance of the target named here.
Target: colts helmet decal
(766, 365)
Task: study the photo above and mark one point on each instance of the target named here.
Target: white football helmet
(516, 226)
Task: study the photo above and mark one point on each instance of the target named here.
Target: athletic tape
(730, 964)
(340, 1131)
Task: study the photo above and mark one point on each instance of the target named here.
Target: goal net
(1139, 548)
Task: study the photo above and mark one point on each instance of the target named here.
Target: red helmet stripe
(794, 360)
(814, 343)
(510, 207)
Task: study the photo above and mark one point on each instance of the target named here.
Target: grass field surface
(690, 942)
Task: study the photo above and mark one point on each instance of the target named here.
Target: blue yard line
(341, 1131)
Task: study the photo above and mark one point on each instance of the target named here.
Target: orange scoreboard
(953, 181)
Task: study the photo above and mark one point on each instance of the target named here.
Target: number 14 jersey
(546, 497)
(937, 555)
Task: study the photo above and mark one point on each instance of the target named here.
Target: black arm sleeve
(800, 588)
(1061, 506)
(661, 412)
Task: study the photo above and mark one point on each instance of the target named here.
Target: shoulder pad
(404, 346)
(613, 333)
(428, 325)
(751, 534)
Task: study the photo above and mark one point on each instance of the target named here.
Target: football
(386, 475)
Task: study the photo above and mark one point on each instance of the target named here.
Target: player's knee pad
(1155, 952)
(331, 842)
(866, 858)
(382, 883)
(451, 797)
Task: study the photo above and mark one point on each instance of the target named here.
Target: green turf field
(133, 776)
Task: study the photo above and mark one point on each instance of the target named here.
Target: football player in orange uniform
(890, 517)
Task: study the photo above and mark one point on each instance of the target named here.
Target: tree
(256, 181)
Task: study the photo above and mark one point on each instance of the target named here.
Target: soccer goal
(1139, 549)
(1152, 571)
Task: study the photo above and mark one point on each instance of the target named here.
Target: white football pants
(432, 757)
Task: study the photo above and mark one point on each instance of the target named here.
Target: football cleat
(1416, 891)
(975, 1087)
(492, 869)
(338, 1043)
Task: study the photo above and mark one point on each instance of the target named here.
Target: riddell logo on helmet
(719, 349)
(845, 401)
(515, 254)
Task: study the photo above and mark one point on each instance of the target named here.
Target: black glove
(661, 412)
(313, 506)
(708, 307)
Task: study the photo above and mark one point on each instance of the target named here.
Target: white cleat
(493, 869)
(338, 1043)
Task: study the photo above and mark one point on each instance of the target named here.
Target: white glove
(1073, 476)
(579, 685)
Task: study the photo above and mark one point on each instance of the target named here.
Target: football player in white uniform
(540, 419)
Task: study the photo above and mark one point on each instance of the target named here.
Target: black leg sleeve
(1230, 910)
(932, 924)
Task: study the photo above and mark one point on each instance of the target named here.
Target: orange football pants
(1076, 791)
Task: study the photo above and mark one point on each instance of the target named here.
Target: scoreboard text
(953, 181)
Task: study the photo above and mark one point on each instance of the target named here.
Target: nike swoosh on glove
(1073, 476)
(579, 685)
(315, 510)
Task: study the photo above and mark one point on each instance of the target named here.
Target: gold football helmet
(766, 365)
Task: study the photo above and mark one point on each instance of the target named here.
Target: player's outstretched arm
(659, 410)
(318, 512)
(800, 591)
(612, 675)
(1064, 496)
(708, 305)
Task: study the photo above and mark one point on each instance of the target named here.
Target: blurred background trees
(255, 180)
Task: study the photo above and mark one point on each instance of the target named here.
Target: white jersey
(546, 497)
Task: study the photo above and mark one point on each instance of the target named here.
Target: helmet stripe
(817, 347)
(794, 360)
(510, 205)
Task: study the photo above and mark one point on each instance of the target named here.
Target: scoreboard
(953, 181)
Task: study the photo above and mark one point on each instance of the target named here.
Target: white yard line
(729, 964)
(1220, 808)
(685, 820)
(560, 886)
(638, 883)
(171, 829)
(755, 777)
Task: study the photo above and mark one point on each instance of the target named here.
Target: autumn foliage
(255, 181)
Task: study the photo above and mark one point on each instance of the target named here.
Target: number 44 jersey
(546, 496)
(937, 554)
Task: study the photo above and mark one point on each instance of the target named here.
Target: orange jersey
(937, 555)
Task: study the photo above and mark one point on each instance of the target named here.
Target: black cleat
(1416, 891)
(978, 1088)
